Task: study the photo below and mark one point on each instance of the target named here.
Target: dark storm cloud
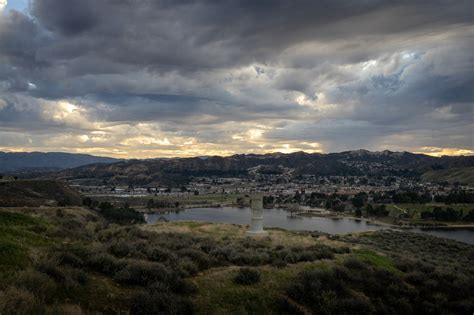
(188, 35)
(197, 64)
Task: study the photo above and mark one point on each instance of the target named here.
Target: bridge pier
(256, 224)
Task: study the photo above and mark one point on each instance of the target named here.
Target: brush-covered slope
(463, 175)
(73, 261)
(178, 171)
(20, 193)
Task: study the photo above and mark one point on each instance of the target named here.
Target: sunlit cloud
(433, 151)
(3, 4)
(317, 79)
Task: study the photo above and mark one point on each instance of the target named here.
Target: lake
(281, 218)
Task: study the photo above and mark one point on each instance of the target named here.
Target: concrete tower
(256, 225)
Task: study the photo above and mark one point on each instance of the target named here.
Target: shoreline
(332, 216)
(441, 225)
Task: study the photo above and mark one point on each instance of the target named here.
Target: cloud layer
(183, 78)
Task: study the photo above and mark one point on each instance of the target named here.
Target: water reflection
(282, 219)
(272, 218)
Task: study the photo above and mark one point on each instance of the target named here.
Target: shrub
(50, 266)
(354, 263)
(59, 213)
(201, 259)
(292, 258)
(142, 272)
(187, 268)
(284, 306)
(105, 263)
(159, 254)
(182, 286)
(159, 302)
(37, 283)
(279, 263)
(74, 277)
(19, 301)
(66, 275)
(66, 258)
(317, 289)
(120, 249)
(247, 276)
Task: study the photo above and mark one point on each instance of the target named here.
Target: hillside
(178, 171)
(40, 161)
(78, 263)
(463, 175)
(34, 193)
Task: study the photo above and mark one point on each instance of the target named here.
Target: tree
(106, 205)
(150, 204)
(339, 206)
(358, 202)
(369, 209)
(426, 215)
(87, 202)
(297, 196)
(469, 217)
(381, 210)
(268, 200)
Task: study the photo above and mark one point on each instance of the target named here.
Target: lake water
(282, 219)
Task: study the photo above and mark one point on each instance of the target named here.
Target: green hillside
(34, 193)
(463, 175)
(73, 261)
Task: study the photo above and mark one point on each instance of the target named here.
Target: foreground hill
(74, 261)
(35, 193)
(178, 171)
(463, 175)
(37, 161)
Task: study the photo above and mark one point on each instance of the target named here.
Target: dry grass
(220, 231)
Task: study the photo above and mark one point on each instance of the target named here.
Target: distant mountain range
(179, 171)
(40, 161)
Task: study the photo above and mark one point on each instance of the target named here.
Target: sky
(169, 78)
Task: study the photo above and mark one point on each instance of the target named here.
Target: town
(388, 199)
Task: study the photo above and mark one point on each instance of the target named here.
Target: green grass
(13, 218)
(17, 236)
(190, 224)
(12, 255)
(463, 175)
(219, 294)
(414, 209)
(375, 259)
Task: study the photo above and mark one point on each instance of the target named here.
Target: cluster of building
(277, 184)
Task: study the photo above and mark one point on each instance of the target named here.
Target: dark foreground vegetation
(73, 260)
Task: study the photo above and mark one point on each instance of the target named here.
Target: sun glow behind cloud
(330, 81)
(3, 4)
(433, 151)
